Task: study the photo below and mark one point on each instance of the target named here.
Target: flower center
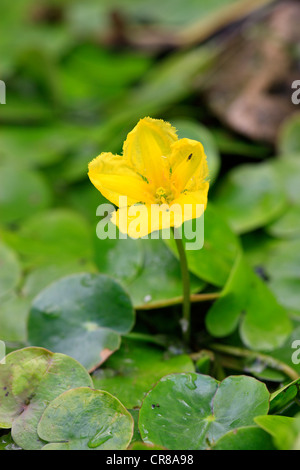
(163, 196)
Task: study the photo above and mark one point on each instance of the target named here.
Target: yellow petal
(189, 165)
(111, 175)
(140, 220)
(147, 149)
(193, 203)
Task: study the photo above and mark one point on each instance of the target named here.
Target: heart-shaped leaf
(84, 419)
(246, 301)
(192, 411)
(29, 380)
(83, 315)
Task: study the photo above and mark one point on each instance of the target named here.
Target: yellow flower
(157, 177)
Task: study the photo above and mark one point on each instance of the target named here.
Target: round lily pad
(84, 419)
(29, 380)
(83, 315)
(192, 411)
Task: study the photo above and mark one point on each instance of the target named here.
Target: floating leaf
(135, 368)
(246, 301)
(84, 419)
(192, 411)
(83, 315)
(29, 381)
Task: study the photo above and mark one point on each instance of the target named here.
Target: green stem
(194, 298)
(267, 360)
(185, 275)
